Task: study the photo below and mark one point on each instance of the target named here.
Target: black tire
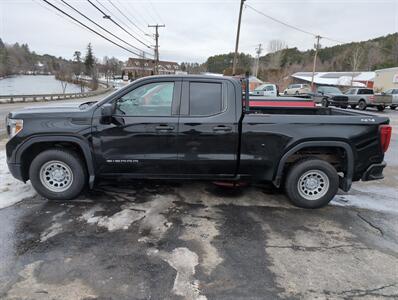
(362, 105)
(344, 106)
(393, 107)
(68, 159)
(296, 93)
(285, 93)
(322, 172)
(325, 102)
(381, 107)
(353, 106)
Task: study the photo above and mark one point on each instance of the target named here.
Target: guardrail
(50, 97)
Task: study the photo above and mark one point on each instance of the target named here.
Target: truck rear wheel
(380, 107)
(362, 105)
(312, 183)
(58, 174)
(393, 107)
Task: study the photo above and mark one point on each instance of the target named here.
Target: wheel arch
(35, 145)
(346, 181)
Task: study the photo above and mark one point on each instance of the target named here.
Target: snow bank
(11, 190)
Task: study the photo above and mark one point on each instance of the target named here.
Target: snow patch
(53, 230)
(184, 262)
(154, 224)
(203, 231)
(382, 204)
(377, 197)
(11, 190)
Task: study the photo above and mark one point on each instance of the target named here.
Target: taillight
(385, 137)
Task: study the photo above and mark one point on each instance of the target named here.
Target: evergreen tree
(89, 60)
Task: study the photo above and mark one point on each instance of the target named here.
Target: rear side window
(365, 92)
(205, 98)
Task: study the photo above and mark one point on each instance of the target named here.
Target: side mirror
(106, 113)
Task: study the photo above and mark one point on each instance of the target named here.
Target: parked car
(361, 97)
(266, 89)
(394, 97)
(330, 95)
(194, 127)
(297, 89)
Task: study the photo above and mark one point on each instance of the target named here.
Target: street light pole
(237, 38)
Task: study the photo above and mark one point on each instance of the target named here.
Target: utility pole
(258, 51)
(237, 38)
(157, 45)
(317, 46)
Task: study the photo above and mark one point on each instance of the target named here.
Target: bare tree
(275, 48)
(356, 61)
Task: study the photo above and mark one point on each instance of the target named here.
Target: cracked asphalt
(193, 240)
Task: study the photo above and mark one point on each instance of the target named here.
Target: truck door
(208, 129)
(143, 137)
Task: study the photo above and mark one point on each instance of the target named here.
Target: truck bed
(305, 111)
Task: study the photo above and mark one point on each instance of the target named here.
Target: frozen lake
(34, 84)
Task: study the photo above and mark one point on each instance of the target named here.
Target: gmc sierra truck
(195, 127)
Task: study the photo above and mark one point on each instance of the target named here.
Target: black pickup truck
(195, 127)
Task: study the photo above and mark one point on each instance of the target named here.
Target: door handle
(222, 128)
(164, 128)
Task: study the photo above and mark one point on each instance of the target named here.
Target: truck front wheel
(58, 174)
(312, 183)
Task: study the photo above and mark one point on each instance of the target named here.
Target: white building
(343, 79)
(386, 79)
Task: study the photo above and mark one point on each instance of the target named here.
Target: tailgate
(382, 99)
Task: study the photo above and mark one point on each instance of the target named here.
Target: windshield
(261, 87)
(330, 90)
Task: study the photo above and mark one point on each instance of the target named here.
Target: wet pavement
(193, 240)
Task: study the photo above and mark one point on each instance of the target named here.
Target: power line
(127, 18)
(117, 24)
(122, 22)
(134, 15)
(92, 30)
(280, 22)
(83, 15)
(141, 36)
(305, 31)
(155, 10)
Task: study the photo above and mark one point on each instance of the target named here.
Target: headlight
(14, 126)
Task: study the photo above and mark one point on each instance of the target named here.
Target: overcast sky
(195, 29)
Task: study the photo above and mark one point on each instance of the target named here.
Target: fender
(84, 146)
(345, 183)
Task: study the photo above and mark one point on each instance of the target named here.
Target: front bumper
(374, 172)
(15, 170)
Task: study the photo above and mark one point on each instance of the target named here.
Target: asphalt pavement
(193, 240)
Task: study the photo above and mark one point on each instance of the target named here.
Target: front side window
(153, 99)
(205, 99)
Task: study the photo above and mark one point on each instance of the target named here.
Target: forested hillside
(368, 55)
